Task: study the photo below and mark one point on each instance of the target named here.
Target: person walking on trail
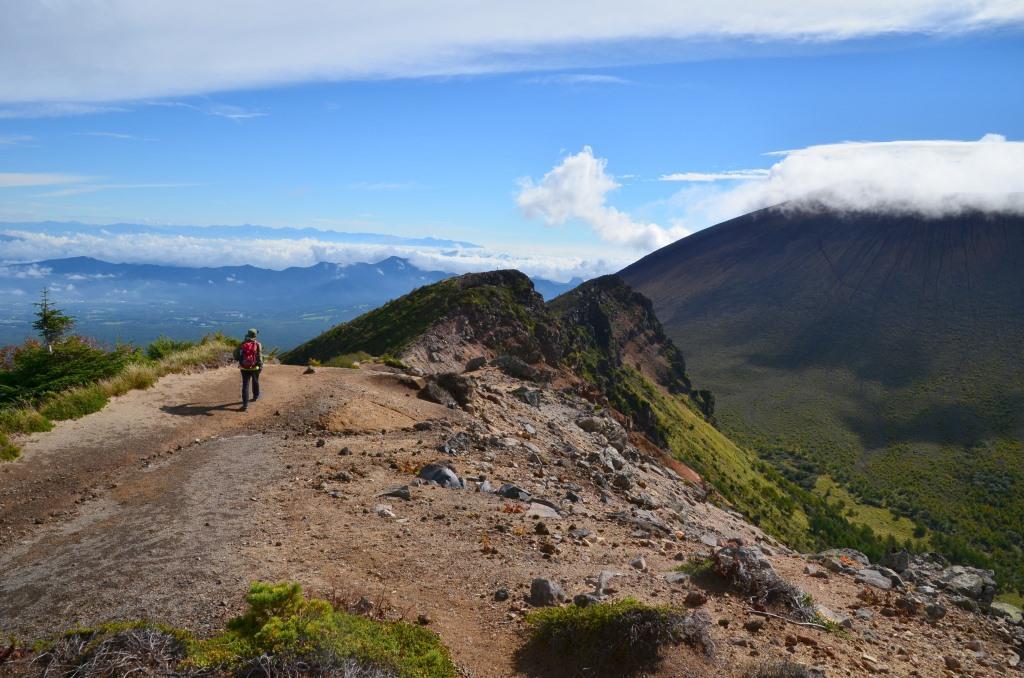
(249, 355)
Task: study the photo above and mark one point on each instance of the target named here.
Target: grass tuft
(75, 404)
(8, 450)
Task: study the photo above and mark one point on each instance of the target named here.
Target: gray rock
(484, 486)
(622, 481)
(1007, 610)
(545, 592)
(529, 396)
(638, 563)
(590, 424)
(897, 560)
(542, 511)
(435, 394)
(850, 554)
(834, 617)
(866, 615)
(971, 582)
(873, 578)
(501, 594)
(400, 492)
(442, 475)
(384, 511)
(709, 539)
(677, 578)
(580, 533)
(754, 624)
(510, 491)
(585, 599)
(514, 367)
(460, 443)
(474, 364)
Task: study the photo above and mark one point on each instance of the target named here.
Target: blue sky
(445, 155)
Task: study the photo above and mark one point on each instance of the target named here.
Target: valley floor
(166, 504)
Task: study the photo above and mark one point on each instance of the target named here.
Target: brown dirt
(169, 502)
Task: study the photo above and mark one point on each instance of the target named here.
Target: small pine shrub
(696, 566)
(75, 404)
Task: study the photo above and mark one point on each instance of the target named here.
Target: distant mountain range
(137, 302)
(883, 351)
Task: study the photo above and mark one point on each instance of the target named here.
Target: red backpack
(250, 355)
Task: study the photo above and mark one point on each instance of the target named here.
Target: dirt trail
(166, 504)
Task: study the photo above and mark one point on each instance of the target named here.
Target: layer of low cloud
(277, 254)
(577, 190)
(70, 51)
(928, 177)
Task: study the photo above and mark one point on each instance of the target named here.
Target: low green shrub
(392, 361)
(696, 566)
(282, 623)
(618, 638)
(35, 374)
(75, 404)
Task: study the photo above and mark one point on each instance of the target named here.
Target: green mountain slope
(884, 351)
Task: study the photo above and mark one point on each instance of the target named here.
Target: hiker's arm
(259, 354)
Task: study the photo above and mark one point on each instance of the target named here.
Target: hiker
(249, 355)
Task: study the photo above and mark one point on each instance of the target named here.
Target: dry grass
(83, 400)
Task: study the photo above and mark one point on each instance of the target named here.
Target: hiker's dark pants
(250, 376)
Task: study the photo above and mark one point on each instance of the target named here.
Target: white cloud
(61, 51)
(930, 177)
(700, 177)
(14, 139)
(577, 190)
(22, 179)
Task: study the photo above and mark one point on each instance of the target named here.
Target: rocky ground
(462, 517)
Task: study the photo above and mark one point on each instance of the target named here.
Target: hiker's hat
(251, 333)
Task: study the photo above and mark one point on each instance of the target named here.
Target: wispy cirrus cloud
(56, 109)
(115, 135)
(94, 188)
(27, 179)
(15, 139)
(577, 79)
(132, 50)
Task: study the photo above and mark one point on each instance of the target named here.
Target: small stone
(384, 511)
(754, 624)
(401, 492)
(585, 599)
(974, 645)
(501, 594)
(541, 528)
(638, 563)
(696, 598)
(320, 442)
(423, 620)
(935, 611)
(952, 663)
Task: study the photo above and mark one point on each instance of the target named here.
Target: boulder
(970, 582)
(442, 475)
(400, 492)
(434, 393)
(545, 593)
